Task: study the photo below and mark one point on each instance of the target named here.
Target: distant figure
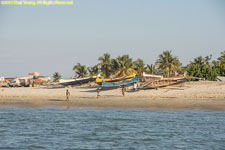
(175, 74)
(135, 86)
(67, 95)
(123, 90)
(98, 92)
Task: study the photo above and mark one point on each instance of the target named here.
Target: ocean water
(58, 128)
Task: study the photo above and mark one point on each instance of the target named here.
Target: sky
(50, 39)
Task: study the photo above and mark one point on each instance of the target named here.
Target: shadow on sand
(56, 87)
(56, 100)
(91, 91)
(88, 97)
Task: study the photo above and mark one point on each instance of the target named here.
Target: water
(55, 128)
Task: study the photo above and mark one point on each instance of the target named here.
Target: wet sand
(191, 95)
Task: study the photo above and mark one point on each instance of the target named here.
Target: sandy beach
(191, 95)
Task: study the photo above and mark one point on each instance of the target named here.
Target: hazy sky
(54, 38)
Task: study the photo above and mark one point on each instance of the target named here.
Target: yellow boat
(99, 80)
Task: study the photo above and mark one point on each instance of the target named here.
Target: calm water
(56, 128)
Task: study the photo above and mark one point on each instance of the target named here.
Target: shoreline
(157, 104)
(154, 104)
(192, 95)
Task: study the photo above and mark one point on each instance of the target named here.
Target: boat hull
(109, 86)
(77, 81)
(163, 83)
(113, 80)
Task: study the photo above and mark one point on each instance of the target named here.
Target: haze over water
(92, 128)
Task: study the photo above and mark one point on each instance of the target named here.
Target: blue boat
(106, 85)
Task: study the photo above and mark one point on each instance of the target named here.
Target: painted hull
(78, 81)
(107, 85)
(99, 80)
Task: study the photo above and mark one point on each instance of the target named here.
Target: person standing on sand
(135, 86)
(98, 92)
(67, 95)
(123, 90)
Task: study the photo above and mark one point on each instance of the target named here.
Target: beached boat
(107, 85)
(77, 81)
(151, 77)
(99, 80)
(164, 82)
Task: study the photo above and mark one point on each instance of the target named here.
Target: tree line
(166, 65)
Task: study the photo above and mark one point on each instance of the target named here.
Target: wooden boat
(99, 80)
(164, 82)
(151, 77)
(77, 81)
(107, 85)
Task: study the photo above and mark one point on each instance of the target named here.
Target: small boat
(99, 80)
(164, 82)
(106, 85)
(151, 77)
(78, 81)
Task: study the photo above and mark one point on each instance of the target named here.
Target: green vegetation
(207, 69)
(80, 70)
(202, 68)
(122, 66)
(166, 65)
(56, 77)
(150, 69)
(105, 63)
(139, 68)
(93, 70)
(220, 64)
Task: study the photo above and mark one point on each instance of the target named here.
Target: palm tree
(201, 68)
(199, 61)
(207, 59)
(93, 70)
(80, 70)
(122, 65)
(115, 66)
(150, 69)
(56, 77)
(139, 67)
(222, 57)
(220, 64)
(168, 63)
(105, 63)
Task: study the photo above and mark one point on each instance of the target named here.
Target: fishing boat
(100, 80)
(107, 85)
(151, 77)
(77, 81)
(164, 82)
